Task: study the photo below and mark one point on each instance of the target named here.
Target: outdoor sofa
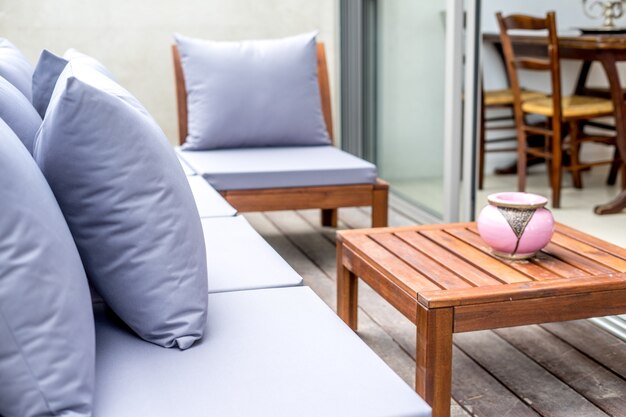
(270, 347)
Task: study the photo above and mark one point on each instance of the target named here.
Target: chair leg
(481, 149)
(615, 167)
(380, 204)
(555, 165)
(521, 158)
(329, 217)
(574, 155)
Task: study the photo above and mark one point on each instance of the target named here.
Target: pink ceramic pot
(516, 225)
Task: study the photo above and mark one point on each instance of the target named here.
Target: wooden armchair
(326, 198)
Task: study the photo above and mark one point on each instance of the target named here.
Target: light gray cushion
(45, 76)
(279, 352)
(15, 68)
(18, 113)
(47, 344)
(84, 59)
(240, 259)
(254, 168)
(252, 93)
(186, 168)
(209, 202)
(128, 205)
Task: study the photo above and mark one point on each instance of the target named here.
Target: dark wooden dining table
(607, 50)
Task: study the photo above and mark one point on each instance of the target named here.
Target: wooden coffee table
(445, 280)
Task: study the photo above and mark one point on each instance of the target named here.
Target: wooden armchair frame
(326, 198)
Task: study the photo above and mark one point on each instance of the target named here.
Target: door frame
(358, 100)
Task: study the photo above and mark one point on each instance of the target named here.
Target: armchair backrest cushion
(252, 93)
(18, 113)
(47, 336)
(128, 205)
(15, 68)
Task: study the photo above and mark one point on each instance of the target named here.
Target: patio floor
(570, 369)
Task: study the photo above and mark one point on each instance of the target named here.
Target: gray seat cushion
(47, 348)
(240, 259)
(255, 168)
(128, 205)
(279, 352)
(209, 202)
(186, 168)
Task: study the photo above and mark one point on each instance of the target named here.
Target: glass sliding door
(410, 91)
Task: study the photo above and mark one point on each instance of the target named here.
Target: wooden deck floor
(571, 369)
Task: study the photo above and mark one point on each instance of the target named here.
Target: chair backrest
(515, 60)
(322, 77)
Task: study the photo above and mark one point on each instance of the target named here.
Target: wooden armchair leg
(380, 204)
(329, 217)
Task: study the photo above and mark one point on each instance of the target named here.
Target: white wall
(133, 37)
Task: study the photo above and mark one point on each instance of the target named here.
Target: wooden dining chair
(563, 113)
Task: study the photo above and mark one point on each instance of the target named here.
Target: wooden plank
(589, 378)
(394, 269)
(347, 291)
(539, 310)
(598, 255)
(433, 361)
(405, 302)
(527, 268)
(482, 394)
(573, 258)
(523, 290)
(487, 263)
(549, 262)
(300, 198)
(429, 268)
(409, 228)
(541, 390)
(428, 248)
(593, 342)
(592, 240)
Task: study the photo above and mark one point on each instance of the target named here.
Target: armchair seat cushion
(278, 352)
(209, 202)
(240, 259)
(258, 168)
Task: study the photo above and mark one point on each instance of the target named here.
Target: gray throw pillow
(18, 113)
(128, 206)
(45, 76)
(15, 68)
(252, 93)
(47, 338)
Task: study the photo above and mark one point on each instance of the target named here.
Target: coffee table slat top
(449, 265)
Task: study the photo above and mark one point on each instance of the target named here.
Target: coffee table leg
(433, 367)
(347, 291)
